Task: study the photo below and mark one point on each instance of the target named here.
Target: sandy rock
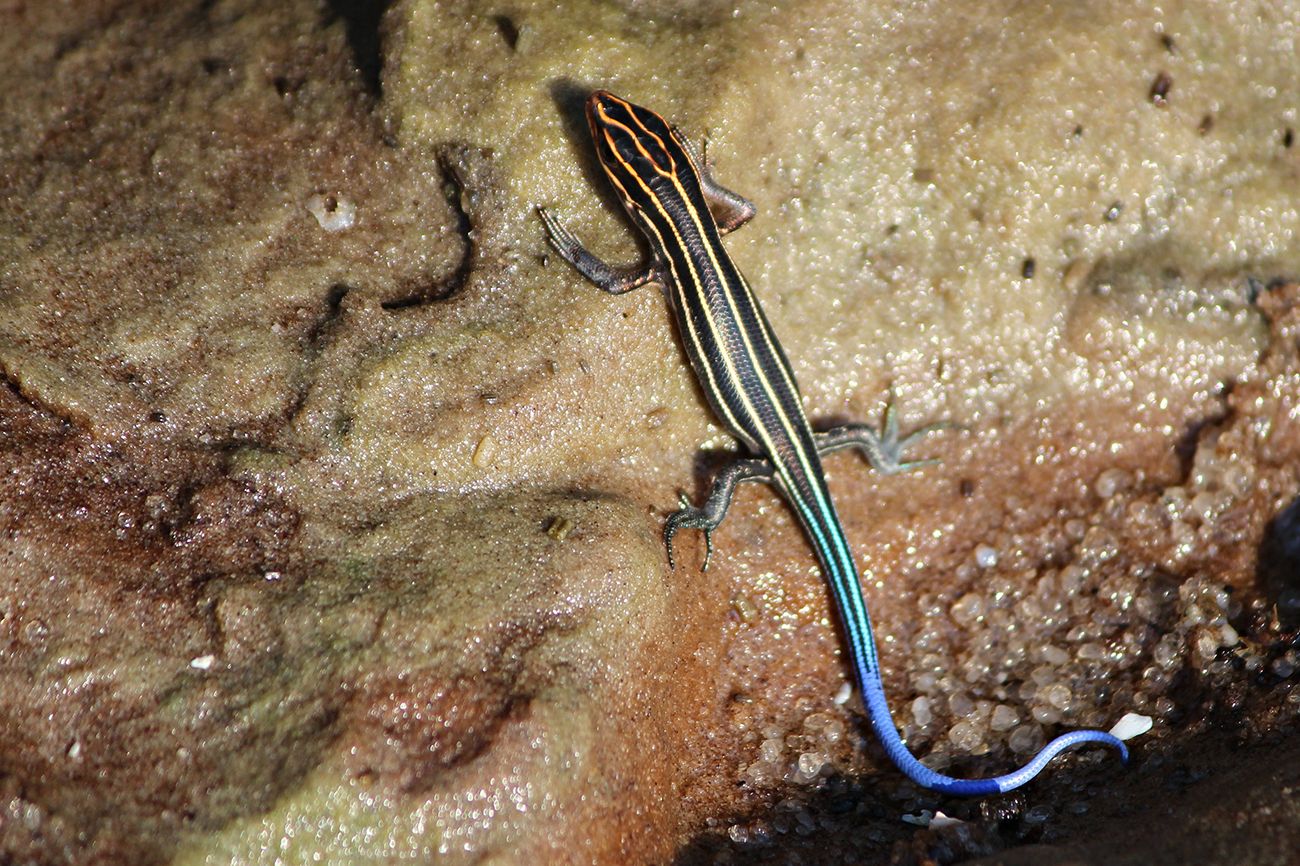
(331, 501)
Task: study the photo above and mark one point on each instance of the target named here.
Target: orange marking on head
(598, 116)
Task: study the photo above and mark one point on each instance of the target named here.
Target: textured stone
(330, 503)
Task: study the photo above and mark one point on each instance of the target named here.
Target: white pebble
(1168, 652)
(815, 722)
(940, 820)
(833, 731)
(1205, 506)
(1072, 578)
(1046, 715)
(1090, 652)
(1207, 643)
(1110, 482)
(1038, 815)
(966, 737)
(1131, 725)
(1026, 738)
(1043, 675)
(968, 609)
(1055, 655)
(333, 213)
(985, 556)
(808, 767)
(922, 819)
(1239, 480)
(1058, 695)
(1004, 718)
(760, 774)
(921, 712)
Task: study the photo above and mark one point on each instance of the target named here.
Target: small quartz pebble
(559, 528)
(940, 820)
(1110, 482)
(1131, 725)
(1004, 718)
(921, 711)
(933, 820)
(484, 452)
(808, 766)
(843, 695)
(202, 663)
(333, 213)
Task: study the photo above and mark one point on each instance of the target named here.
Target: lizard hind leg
(885, 450)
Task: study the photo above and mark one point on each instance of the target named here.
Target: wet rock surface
(331, 507)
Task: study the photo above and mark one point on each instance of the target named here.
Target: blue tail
(873, 695)
(828, 538)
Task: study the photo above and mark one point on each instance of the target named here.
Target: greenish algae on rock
(294, 396)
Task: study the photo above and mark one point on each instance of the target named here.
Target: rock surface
(331, 507)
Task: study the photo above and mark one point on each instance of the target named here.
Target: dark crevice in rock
(222, 526)
(34, 403)
(1255, 286)
(509, 32)
(333, 310)
(1197, 427)
(1279, 563)
(172, 513)
(98, 19)
(362, 19)
(451, 160)
(287, 85)
(317, 338)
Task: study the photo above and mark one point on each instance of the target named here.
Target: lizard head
(638, 149)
